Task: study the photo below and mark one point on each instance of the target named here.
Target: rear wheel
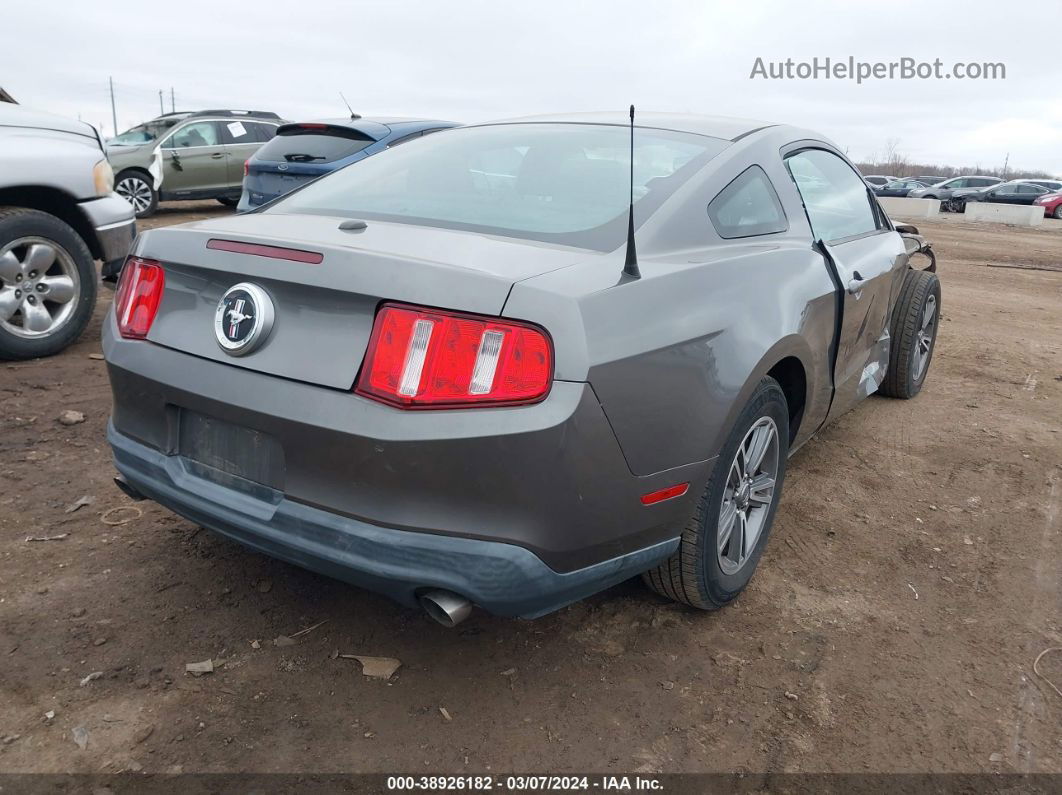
(229, 202)
(915, 321)
(47, 284)
(724, 539)
(1058, 212)
(137, 188)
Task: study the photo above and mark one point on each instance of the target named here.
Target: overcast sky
(471, 61)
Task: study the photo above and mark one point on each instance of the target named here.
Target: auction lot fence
(680, 784)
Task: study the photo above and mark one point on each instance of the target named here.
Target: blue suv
(304, 151)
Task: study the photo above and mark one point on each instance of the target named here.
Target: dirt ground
(912, 579)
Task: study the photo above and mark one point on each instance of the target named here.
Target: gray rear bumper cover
(502, 578)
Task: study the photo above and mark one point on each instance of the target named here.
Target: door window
(748, 206)
(202, 133)
(1006, 190)
(1036, 190)
(835, 197)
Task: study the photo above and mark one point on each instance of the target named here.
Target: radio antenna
(353, 115)
(630, 265)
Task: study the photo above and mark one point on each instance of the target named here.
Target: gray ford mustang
(448, 374)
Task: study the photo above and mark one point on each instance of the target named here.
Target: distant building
(5, 97)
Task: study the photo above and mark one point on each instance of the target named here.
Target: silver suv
(188, 156)
(58, 213)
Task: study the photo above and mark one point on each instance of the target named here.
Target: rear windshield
(317, 146)
(560, 183)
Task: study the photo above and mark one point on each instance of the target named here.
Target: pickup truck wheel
(915, 321)
(47, 284)
(723, 541)
(136, 188)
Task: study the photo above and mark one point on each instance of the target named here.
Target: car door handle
(217, 156)
(856, 283)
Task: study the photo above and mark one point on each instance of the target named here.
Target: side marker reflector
(665, 494)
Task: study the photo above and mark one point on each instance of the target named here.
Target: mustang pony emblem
(243, 318)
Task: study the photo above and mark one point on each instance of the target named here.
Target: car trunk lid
(324, 310)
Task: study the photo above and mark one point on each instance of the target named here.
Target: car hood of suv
(18, 116)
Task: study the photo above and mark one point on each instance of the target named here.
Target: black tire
(17, 223)
(912, 342)
(1058, 212)
(228, 202)
(134, 182)
(693, 575)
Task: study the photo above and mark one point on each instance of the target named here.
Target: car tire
(699, 573)
(138, 188)
(1058, 212)
(45, 253)
(228, 202)
(915, 321)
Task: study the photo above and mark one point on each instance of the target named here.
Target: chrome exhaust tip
(446, 607)
(127, 489)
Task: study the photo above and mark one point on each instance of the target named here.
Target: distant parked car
(1053, 185)
(928, 179)
(954, 188)
(878, 180)
(58, 213)
(187, 156)
(307, 150)
(1014, 192)
(1052, 204)
(899, 188)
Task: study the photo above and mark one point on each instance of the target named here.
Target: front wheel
(47, 284)
(915, 320)
(227, 201)
(1058, 212)
(724, 539)
(138, 189)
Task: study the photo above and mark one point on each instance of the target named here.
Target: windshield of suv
(143, 133)
(559, 183)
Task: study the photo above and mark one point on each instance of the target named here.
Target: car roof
(724, 127)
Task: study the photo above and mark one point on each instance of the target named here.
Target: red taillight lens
(424, 358)
(138, 295)
(245, 166)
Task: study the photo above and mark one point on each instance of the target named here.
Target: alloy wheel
(748, 495)
(135, 191)
(924, 338)
(39, 287)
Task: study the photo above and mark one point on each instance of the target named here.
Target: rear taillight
(425, 358)
(137, 297)
(246, 164)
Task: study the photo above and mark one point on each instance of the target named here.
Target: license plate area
(230, 449)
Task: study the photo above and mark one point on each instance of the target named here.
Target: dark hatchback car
(1017, 192)
(307, 150)
(899, 188)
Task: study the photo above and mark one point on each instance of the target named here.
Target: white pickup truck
(58, 214)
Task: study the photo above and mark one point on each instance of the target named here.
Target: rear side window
(312, 146)
(748, 206)
(835, 197)
(1031, 189)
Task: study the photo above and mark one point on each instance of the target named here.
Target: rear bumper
(544, 487)
(504, 579)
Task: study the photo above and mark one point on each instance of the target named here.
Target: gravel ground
(912, 579)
